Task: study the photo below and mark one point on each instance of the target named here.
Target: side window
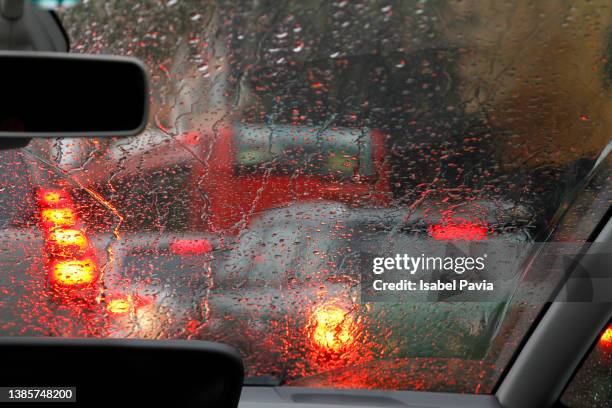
(592, 385)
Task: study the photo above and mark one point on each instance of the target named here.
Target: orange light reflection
(74, 272)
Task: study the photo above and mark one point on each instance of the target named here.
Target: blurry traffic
(282, 148)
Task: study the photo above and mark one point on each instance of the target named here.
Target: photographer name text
(407, 265)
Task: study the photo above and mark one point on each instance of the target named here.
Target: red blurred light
(120, 305)
(458, 231)
(333, 328)
(191, 246)
(58, 217)
(72, 269)
(67, 241)
(606, 338)
(53, 198)
(74, 272)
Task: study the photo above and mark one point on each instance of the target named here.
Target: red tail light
(458, 231)
(64, 242)
(605, 340)
(119, 306)
(53, 198)
(58, 217)
(74, 272)
(191, 246)
(72, 268)
(120, 303)
(333, 328)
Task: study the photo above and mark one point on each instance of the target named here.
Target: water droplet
(298, 46)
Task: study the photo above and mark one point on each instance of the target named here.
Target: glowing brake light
(334, 328)
(74, 272)
(606, 338)
(72, 269)
(53, 198)
(119, 306)
(191, 246)
(458, 231)
(58, 217)
(64, 241)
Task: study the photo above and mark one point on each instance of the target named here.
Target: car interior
(562, 357)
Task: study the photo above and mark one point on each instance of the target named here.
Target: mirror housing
(47, 94)
(126, 372)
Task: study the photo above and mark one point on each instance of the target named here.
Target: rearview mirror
(71, 95)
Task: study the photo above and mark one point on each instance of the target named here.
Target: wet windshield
(292, 144)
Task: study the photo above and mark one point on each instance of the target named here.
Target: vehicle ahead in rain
(287, 149)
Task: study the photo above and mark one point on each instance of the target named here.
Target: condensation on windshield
(285, 140)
